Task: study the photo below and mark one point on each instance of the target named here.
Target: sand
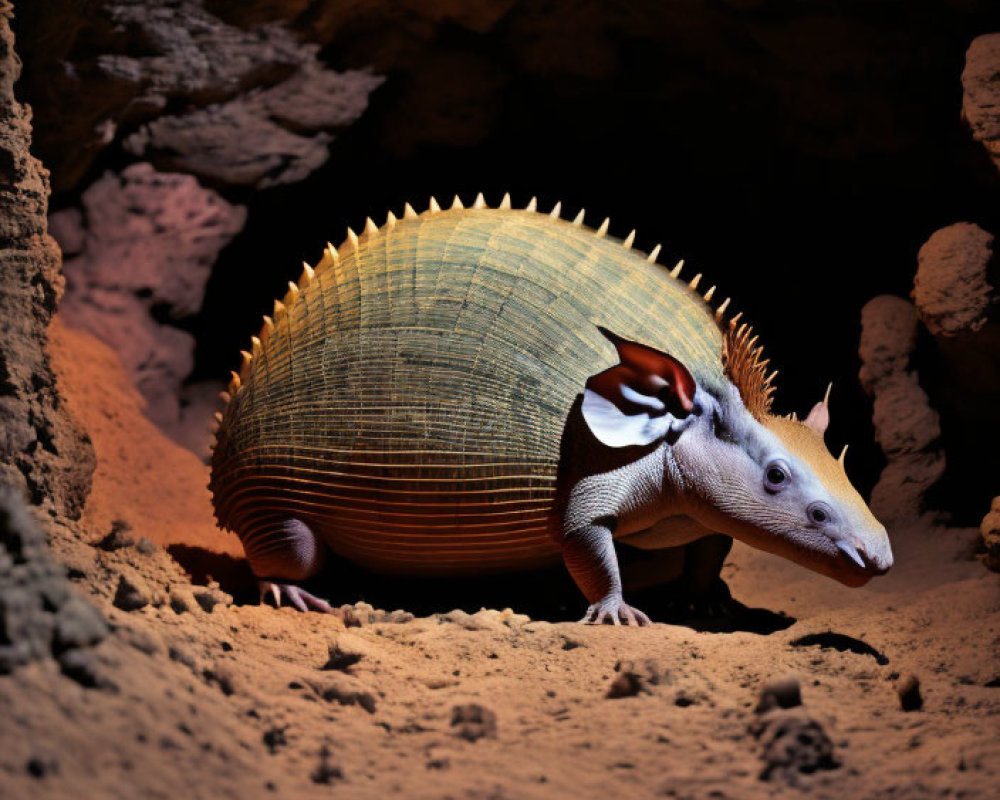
(245, 701)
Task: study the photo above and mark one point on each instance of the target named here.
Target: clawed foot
(614, 610)
(298, 597)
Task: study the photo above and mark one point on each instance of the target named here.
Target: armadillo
(474, 389)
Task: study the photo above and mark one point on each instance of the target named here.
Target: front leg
(589, 553)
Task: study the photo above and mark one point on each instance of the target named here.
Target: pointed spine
(390, 221)
(654, 254)
(408, 212)
(602, 231)
(532, 205)
(676, 271)
(505, 202)
(695, 281)
(456, 204)
(352, 239)
(556, 210)
(479, 202)
(629, 240)
(371, 229)
(433, 206)
(578, 219)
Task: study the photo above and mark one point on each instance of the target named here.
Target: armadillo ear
(635, 402)
(819, 417)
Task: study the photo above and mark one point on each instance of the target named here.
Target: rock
(636, 676)
(146, 546)
(181, 599)
(908, 689)
(343, 694)
(42, 450)
(951, 290)
(223, 676)
(782, 693)
(906, 427)
(473, 722)
(132, 593)
(78, 624)
(264, 138)
(209, 598)
(344, 652)
(40, 615)
(81, 665)
(118, 538)
(147, 60)
(990, 530)
(169, 230)
(182, 655)
(981, 93)
(793, 744)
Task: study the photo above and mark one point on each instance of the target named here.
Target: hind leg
(282, 553)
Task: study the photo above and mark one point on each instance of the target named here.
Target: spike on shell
(225, 397)
(676, 271)
(255, 346)
(654, 254)
(578, 219)
(479, 202)
(433, 206)
(532, 205)
(629, 240)
(293, 293)
(308, 273)
(371, 229)
(279, 308)
(390, 220)
(352, 238)
(695, 281)
(721, 310)
(604, 227)
(234, 382)
(218, 416)
(842, 459)
(709, 294)
(505, 202)
(408, 212)
(456, 204)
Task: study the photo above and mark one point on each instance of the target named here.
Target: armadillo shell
(408, 403)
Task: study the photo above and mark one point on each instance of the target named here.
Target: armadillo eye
(819, 513)
(776, 476)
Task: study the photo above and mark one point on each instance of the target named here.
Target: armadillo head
(769, 482)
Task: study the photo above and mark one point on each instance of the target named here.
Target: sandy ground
(200, 696)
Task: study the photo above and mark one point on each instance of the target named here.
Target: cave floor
(201, 696)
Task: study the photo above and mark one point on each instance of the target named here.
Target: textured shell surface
(408, 401)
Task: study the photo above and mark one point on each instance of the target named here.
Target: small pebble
(781, 693)
(473, 722)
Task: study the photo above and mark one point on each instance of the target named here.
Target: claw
(615, 611)
(299, 598)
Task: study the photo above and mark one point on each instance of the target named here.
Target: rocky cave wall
(45, 456)
(801, 154)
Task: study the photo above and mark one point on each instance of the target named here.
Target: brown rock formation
(41, 447)
(906, 427)
(951, 290)
(981, 93)
(139, 255)
(130, 62)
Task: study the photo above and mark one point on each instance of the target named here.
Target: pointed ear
(819, 417)
(635, 402)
